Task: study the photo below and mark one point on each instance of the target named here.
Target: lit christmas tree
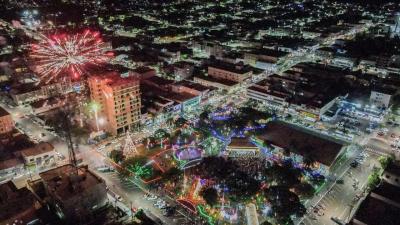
(130, 147)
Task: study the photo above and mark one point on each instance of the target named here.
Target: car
(117, 197)
(340, 181)
(381, 134)
(354, 164)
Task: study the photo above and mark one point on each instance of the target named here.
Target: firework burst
(70, 55)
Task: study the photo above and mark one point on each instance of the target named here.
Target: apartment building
(119, 99)
(6, 121)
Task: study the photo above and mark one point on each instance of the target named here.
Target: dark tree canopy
(210, 195)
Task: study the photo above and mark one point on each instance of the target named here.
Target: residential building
(183, 70)
(10, 168)
(142, 73)
(382, 204)
(45, 105)
(42, 154)
(73, 192)
(6, 121)
(391, 174)
(227, 71)
(17, 206)
(30, 92)
(120, 102)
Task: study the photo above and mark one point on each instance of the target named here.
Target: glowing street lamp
(94, 106)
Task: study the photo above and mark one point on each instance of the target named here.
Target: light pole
(94, 106)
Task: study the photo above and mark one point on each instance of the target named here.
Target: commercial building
(380, 97)
(74, 193)
(42, 154)
(240, 147)
(263, 58)
(227, 71)
(6, 121)
(280, 138)
(306, 94)
(119, 99)
(30, 92)
(221, 84)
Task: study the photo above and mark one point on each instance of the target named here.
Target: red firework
(69, 54)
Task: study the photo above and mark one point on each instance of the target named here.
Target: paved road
(340, 200)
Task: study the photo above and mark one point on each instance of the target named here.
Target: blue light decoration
(77, 88)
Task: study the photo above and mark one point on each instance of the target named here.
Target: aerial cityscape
(199, 112)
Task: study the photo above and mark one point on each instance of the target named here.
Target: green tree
(117, 156)
(180, 122)
(161, 134)
(210, 195)
(385, 161)
(266, 223)
(374, 178)
(284, 204)
(173, 174)
(304, 190)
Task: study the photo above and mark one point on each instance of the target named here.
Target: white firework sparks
(68, 54)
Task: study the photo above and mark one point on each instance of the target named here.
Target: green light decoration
(140, 171)
(94, 106)
(202, 212)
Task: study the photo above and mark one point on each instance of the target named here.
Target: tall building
(119, 100)
(6, 122)
(74, 193)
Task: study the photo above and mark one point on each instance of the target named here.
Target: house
(17, 206)
(43, 154)
(10, 168)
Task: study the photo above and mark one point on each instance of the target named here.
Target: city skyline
(194, 112)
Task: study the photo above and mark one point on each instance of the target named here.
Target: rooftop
(268, 52)
(377, 211)
(159, 81)
(234, 68)
(192, 85)
(221, 81)
(3, 112)
(300, 142)
(15, 202)
(10, 163)
(241, 143)
(64, 183)
(41, 148)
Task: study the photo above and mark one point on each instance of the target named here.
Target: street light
(94, 106)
